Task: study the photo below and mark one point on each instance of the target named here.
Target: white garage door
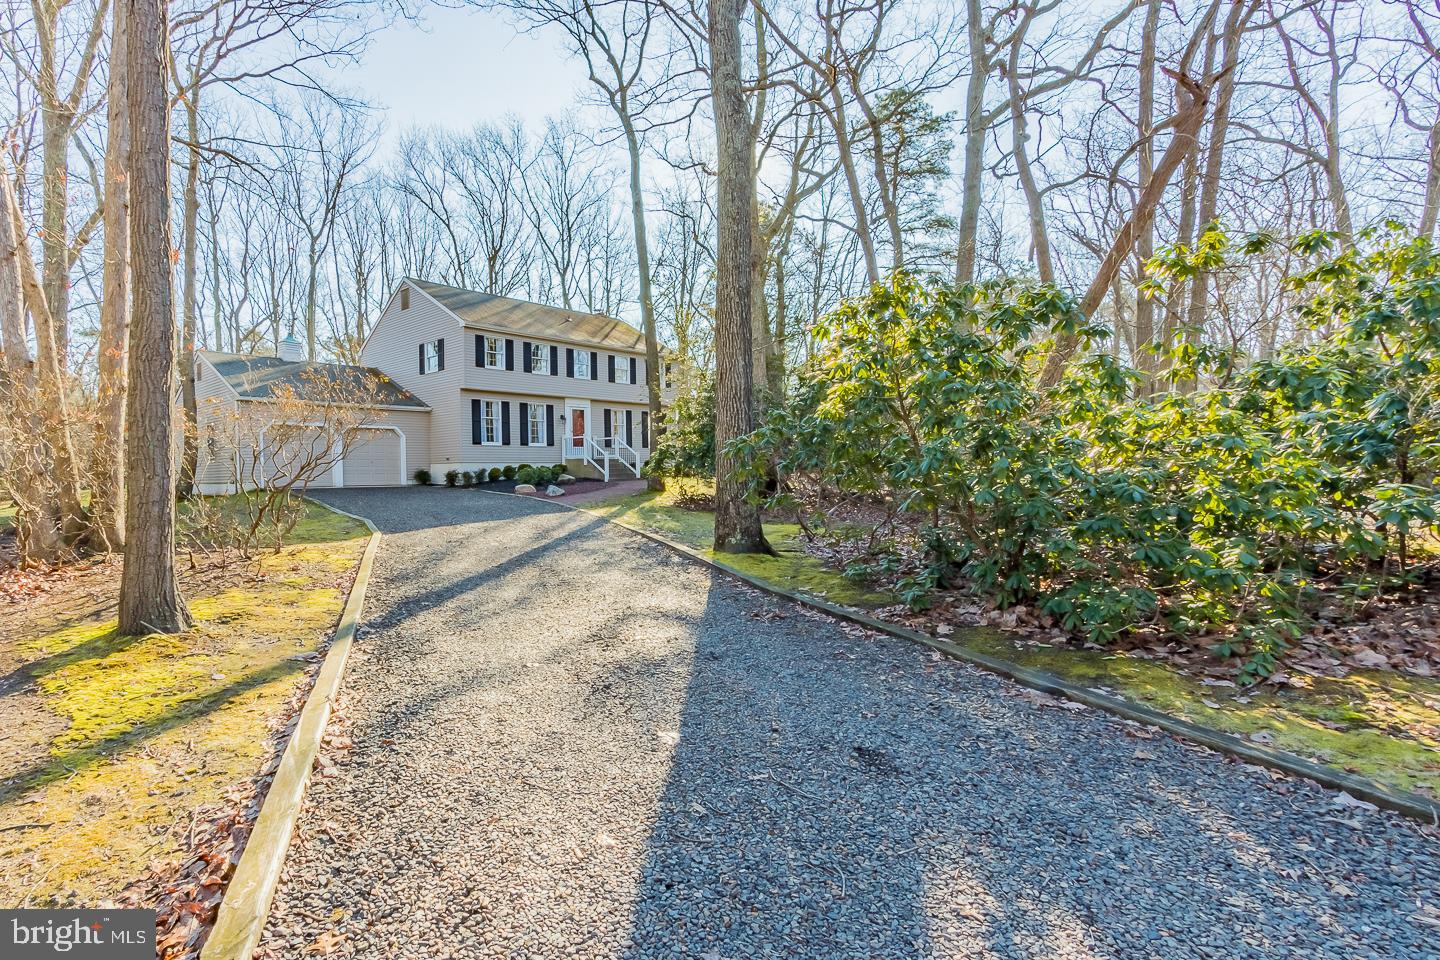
(290, 451)
(373, 460)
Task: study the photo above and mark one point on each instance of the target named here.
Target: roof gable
(534, 319)
(259, 377)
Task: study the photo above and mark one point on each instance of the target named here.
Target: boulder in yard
(554, 491)
(524, 488)
(564, 479)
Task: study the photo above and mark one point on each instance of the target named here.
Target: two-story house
(480, 381)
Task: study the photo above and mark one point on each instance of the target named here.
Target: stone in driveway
(570, 742)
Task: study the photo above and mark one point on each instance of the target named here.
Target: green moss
(156, 726)
(7, 515)
(793, 567)
(1384, 726)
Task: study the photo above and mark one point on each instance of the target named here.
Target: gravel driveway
(568, 742)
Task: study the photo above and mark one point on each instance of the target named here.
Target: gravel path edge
(1411, 804)
(240, 921)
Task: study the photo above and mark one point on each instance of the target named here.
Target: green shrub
(1209, 514)
(422, 477)
(495, 474)
(452, 477)
(525, 475)
(558, 470)
(684, 446)
(467, 478)
(508, 473)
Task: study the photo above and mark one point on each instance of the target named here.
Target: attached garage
(258, 424)
(375, 459)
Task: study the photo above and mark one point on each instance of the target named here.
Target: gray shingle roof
(535, 319)
(257, 378)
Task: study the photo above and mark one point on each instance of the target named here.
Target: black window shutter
(570, 362)
(525, 355)
(524, 424)
(645, 429)
(440, 354)
(554, 360)
(607, 426)
(479, 349)
(505, 422)
(477, 421)
(549, 424)
(633, 378)
(630, 427)
(594, 365)
(611, 358)
(509, 354)
(422, 358)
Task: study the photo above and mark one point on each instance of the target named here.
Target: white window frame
(494, 351)
(582, 356)
(540, 358)
(491, 431)
(536, 426)
(622, 369)
(617, 424)
(432, 356)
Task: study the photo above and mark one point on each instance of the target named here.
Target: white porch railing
(600, 457)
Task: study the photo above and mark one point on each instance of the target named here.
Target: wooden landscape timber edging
(1411, 804)
(243, 911)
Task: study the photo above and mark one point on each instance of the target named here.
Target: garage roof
(258, 377)
(535, 319)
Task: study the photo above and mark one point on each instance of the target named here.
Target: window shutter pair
(595, 366)
(607, 424)
(479, 349)
(525, 422)
(477, 421)
(611, 357)
(633, 378)
(505, 421)
(510, 354)
(549, 424)
(525, 355)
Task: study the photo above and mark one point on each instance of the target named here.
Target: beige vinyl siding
(518, 381)
(393, 348)
(483, 456)
(214, 415)
(415, 425)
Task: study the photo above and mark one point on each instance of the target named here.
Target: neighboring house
(470, 381)
(511, 382)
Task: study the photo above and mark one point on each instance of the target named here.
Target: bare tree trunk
(1144, 338)
(737, 521)
(37, 519)
(1020, 139)
(1431, 210)
(973, 170)
(647, 302)
(189, 225)
(107, 497)
(1189, 115)
(150, 598)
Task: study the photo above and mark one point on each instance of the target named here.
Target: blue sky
(458, 67)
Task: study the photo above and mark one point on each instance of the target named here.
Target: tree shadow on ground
(844, 797)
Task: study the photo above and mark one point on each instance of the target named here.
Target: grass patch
(136, 733)
(1381, 725)
(792, 567)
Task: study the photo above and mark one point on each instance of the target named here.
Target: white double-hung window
(539, 358)
(536, 426)
(622, 369)
(582, 364)
(490, 422)
(494, 352)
